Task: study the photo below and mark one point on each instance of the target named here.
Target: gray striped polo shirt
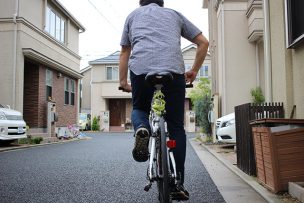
(154, 33)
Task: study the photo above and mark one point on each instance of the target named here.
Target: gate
(244, 114)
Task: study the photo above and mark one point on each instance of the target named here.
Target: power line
(100, 13)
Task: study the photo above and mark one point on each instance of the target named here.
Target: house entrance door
(117, 109)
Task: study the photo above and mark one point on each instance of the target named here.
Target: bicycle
(162, 167)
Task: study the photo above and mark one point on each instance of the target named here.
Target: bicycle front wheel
(163, 183)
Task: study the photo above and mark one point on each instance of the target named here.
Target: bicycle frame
(156, 114)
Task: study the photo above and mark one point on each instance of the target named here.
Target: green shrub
(23, 141)
(257, 95)
(202, 108)
(29, 140)
(95, 124)
(36, 140)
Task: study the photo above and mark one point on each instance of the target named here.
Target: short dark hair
(146, 2)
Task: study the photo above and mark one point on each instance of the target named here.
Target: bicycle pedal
(148, 187)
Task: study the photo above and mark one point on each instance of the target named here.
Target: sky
(104, 21)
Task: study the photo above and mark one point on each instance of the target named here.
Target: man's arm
(123, 68)
(201, 52)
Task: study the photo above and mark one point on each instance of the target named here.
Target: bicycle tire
(163, 183)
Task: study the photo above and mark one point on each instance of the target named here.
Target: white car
(225, 129)
(12, 125)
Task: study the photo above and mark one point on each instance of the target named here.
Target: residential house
(257, 43)
(113, 106)
(39, 63)
(85, 94)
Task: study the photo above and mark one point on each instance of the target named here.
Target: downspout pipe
(15, 16)
(267, 53)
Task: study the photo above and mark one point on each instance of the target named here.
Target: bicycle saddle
(154, 78)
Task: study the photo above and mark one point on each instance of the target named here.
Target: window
(55, 25)
(187, 67)
(112, 73)
(66, 91)
(49, 84)
(69, 91)
(72, 92)
(204, 72)
(294, 16)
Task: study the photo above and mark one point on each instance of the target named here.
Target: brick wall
(35, 101)
(42, 104)
(31, 78)
(67, 113)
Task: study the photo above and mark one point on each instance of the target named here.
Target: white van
(225, 129)
(12, 125)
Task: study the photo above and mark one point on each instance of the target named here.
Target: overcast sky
(104, 20)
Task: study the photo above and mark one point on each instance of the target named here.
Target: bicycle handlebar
(187, 86)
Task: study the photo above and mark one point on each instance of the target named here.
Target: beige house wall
(298, 81)
(6, 71)
(86, 91)
(98, 104)
(27, 38)
(287, 64)
(236, 56)
(280, 57)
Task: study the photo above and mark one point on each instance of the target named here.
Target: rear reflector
(171, 144)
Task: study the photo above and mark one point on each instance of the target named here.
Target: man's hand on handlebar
(190, 76)
(125, 87)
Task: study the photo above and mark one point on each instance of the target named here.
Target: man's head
(146, 2)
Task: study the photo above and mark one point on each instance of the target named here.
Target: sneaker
(179, 193)
(141, 148)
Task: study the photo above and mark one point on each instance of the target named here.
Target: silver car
(12, 125)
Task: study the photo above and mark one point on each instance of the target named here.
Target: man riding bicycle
(150, 42)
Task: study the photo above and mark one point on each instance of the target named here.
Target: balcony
(255, 20)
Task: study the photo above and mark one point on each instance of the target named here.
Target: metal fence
(244, 114)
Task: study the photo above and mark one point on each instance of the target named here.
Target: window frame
(69, 91)
(107, 73)
(52, 24)
(291, 41)
(49, 84)
(203, 69)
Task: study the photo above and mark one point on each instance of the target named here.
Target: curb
(41, 145)
(251, 181)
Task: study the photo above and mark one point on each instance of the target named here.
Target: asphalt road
(97, 170)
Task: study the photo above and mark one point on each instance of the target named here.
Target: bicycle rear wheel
(163, 183)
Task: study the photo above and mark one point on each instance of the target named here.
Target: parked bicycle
(73, 130)
(162, 167)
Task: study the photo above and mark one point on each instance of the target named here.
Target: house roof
(85, 69)
(192, 46)
(114, 58)
(111, 59)
(189, 47)
(69, 15)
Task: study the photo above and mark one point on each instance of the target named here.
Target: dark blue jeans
(174, 93)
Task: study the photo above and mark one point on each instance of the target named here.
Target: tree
(201, 99)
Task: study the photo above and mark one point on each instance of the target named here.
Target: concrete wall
(287, 64)
(237, 56)
(6, 63)
(86, 91)
(298, 81)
